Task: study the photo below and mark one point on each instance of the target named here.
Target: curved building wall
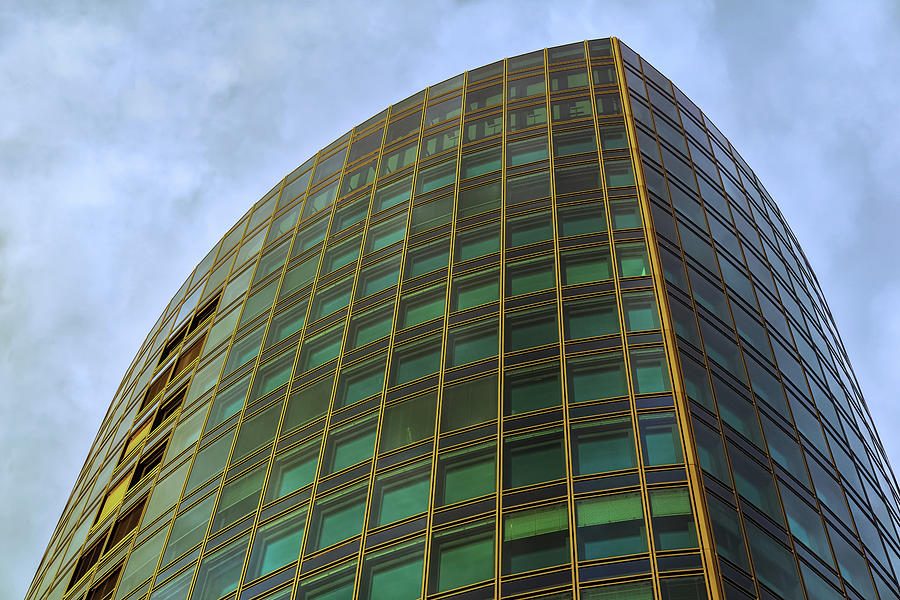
(523, 334)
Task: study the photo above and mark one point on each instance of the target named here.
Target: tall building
(537, 331)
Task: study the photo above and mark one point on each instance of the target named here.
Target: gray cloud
(134, 134)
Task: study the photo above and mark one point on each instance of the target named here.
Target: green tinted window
(462, 557)
(369, 326)
(649, 370)
(624, 213)
(660, 440)
(407, 422)
(534, 458)
(610, 526)
(360, 381)
(535, 538)
(673, 520)
(530, 328)
(188, 530)
(472, 342)
(632, 259)
(337, 517)
(532, 275)
(605, 445)
(465, 474)
(308, 403)
(529, 229)
(293, 470)
(276, 543)
(640, 310)
(239, 497)
(421, 306)
(585, 266)
(479, 241)
(469, 403)
(256, 431)
(427, 258)
(393, 574)
(581, 219)
(220, 571)
(597, 377)
(591, 317)
(532, 388)
(286, 323)
(400, 494)
(378, 276)
(475, 200)
(475, 289)
(349, 444)
(417, 359)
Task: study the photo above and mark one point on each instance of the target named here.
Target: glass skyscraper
(534, 332)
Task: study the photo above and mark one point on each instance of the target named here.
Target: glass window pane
(378, 276)
(394, 574)
(624, 213)
(427, 258)
(532, 388)
(577, 141)
(479, 241)
(462, 557)
(337, 517)
(610, 526)
(188, 530)
(392, 194)
(308, 403)
(272, 374)
(430, 215)
(465, 474)
(420, 307)
(349, 444)
(660, 440)
(287, 323)
(529, 229)
(320, 349)
(584, 266)
(591, 317)
(408, 421)
(640, 310)
(534, 458)
(476, 289)
(299, 276)
(481, 162)
(535, 538)
(276, 544)
(220, 571)
(469, 403)
(673, 520)
(210, 460)
(400, 494)
(293, 470)
(332, 298)
(256, 431)
(385, 233)
(528, 187)
(581, 219)
(525, 151)
(530, 328)
(417, 359)
(597, 377)
(605, 445)
(360, 381)
(532, 275)
(649, 370)
(239, 497)
(472, 343)
(369, 326)
(632, 259)
(475, 200)
(727, 531)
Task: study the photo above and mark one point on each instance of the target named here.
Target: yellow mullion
(692, 462)
(645, 494)
(563, 378)
(429, 523)
(387, 365)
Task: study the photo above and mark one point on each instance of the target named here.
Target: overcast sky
(133, 134)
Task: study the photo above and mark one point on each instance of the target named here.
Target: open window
(123, 526)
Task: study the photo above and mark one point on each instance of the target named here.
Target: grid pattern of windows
(447, 355)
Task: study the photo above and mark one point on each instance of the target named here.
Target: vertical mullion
(692, 463)
(387, 373)
(429, 523)
(560, 328)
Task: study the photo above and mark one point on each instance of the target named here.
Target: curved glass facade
(536, 331)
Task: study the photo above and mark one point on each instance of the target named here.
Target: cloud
(134, 134)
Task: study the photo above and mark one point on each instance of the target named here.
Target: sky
(133, 134)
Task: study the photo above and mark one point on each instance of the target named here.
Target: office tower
(537, 331)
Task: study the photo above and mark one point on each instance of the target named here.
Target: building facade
(535, 332)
